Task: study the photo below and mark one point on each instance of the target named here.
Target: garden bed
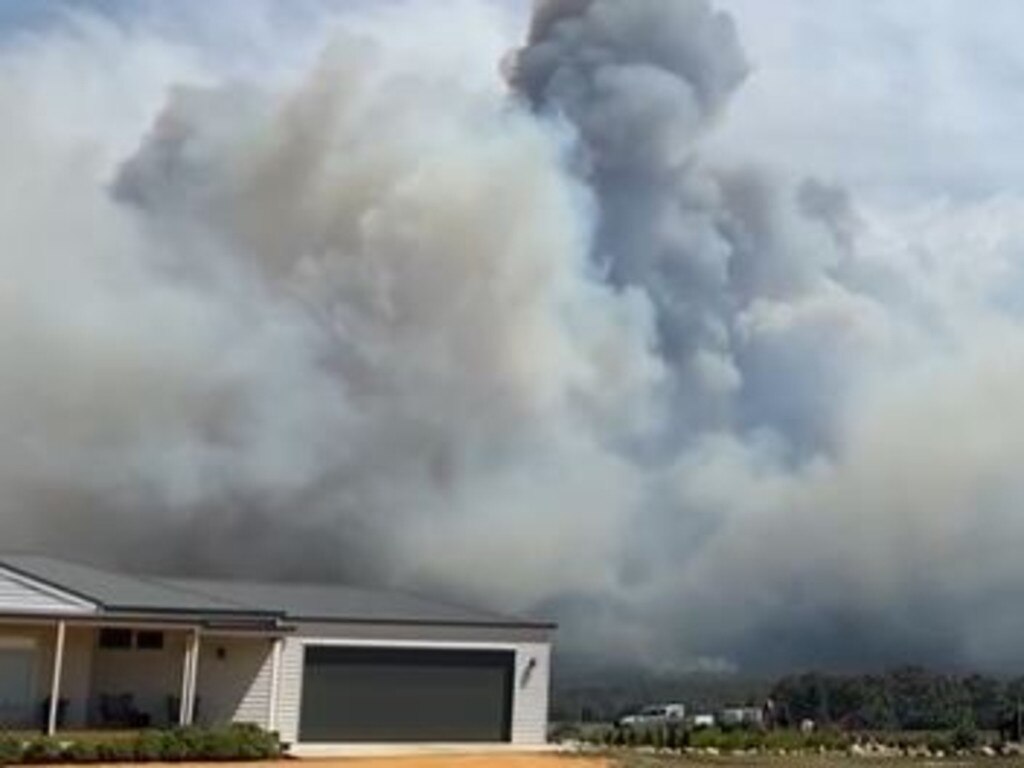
(234, 743)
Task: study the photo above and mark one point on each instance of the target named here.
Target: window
(112, 637)
(149, 641)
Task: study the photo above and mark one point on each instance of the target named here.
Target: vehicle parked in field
(703, 720)
(655, 714)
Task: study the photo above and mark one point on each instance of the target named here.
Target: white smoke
(370, 313)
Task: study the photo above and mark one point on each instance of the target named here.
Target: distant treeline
(905, 698)
(908, 698)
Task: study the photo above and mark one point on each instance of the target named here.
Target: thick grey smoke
(643, 83)
(379, 315)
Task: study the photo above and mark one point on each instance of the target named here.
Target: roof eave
(482, 624)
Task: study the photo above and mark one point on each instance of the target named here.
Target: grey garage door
(403, 695)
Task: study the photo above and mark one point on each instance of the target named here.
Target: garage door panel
(402, 695)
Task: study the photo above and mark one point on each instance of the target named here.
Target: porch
(65, 674)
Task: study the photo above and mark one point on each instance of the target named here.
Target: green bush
(42, 749)
(257, 743)
(147, 747)
(965, 736)
(10, 750)
(236, 742)
(173, 748)
(81, 751)
(115, 750)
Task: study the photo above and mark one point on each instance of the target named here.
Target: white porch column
(189, 669)
(193, 677)
(185, 665)
(58, 667)
(275, 673)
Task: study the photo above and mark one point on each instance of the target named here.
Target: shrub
(115, 751)
(148, 746)
(253, 743)
(938, 743)
(81, 751)
(10, 750)
(236, 742)
(42, 749)
(964, 736)
(565, 732)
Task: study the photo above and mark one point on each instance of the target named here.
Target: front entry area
(380, 695)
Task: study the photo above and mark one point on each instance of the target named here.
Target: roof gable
(115, 591)
(22, 594)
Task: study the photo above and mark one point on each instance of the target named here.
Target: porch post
(186, 662)
(188, 678)
(58, 666)
(275, 673)
(193, 674)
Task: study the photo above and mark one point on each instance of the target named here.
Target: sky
(927, 89)
(916, 98)
(622, 312)
(911, 100)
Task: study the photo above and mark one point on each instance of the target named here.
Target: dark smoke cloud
(642, 83)
(376, 318)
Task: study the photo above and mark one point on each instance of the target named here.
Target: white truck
(655, 714)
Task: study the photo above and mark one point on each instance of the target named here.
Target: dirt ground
(433, 761)
(466, 761)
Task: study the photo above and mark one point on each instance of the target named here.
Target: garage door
(403, 695)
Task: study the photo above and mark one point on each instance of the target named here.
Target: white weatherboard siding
(22, 595)
(289, 690)
(530, 700)
(529, 692)
(234, 680)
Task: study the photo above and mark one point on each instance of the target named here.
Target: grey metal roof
(331, 602)
(117, 592)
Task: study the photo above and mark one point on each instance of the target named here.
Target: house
(323, 665)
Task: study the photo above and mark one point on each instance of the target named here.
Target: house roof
(115, 592)
(329, 602)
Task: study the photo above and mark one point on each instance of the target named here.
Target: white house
(326, 666)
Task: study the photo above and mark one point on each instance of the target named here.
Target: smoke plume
(376, 314)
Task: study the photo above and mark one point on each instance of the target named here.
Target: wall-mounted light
(524, 678)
